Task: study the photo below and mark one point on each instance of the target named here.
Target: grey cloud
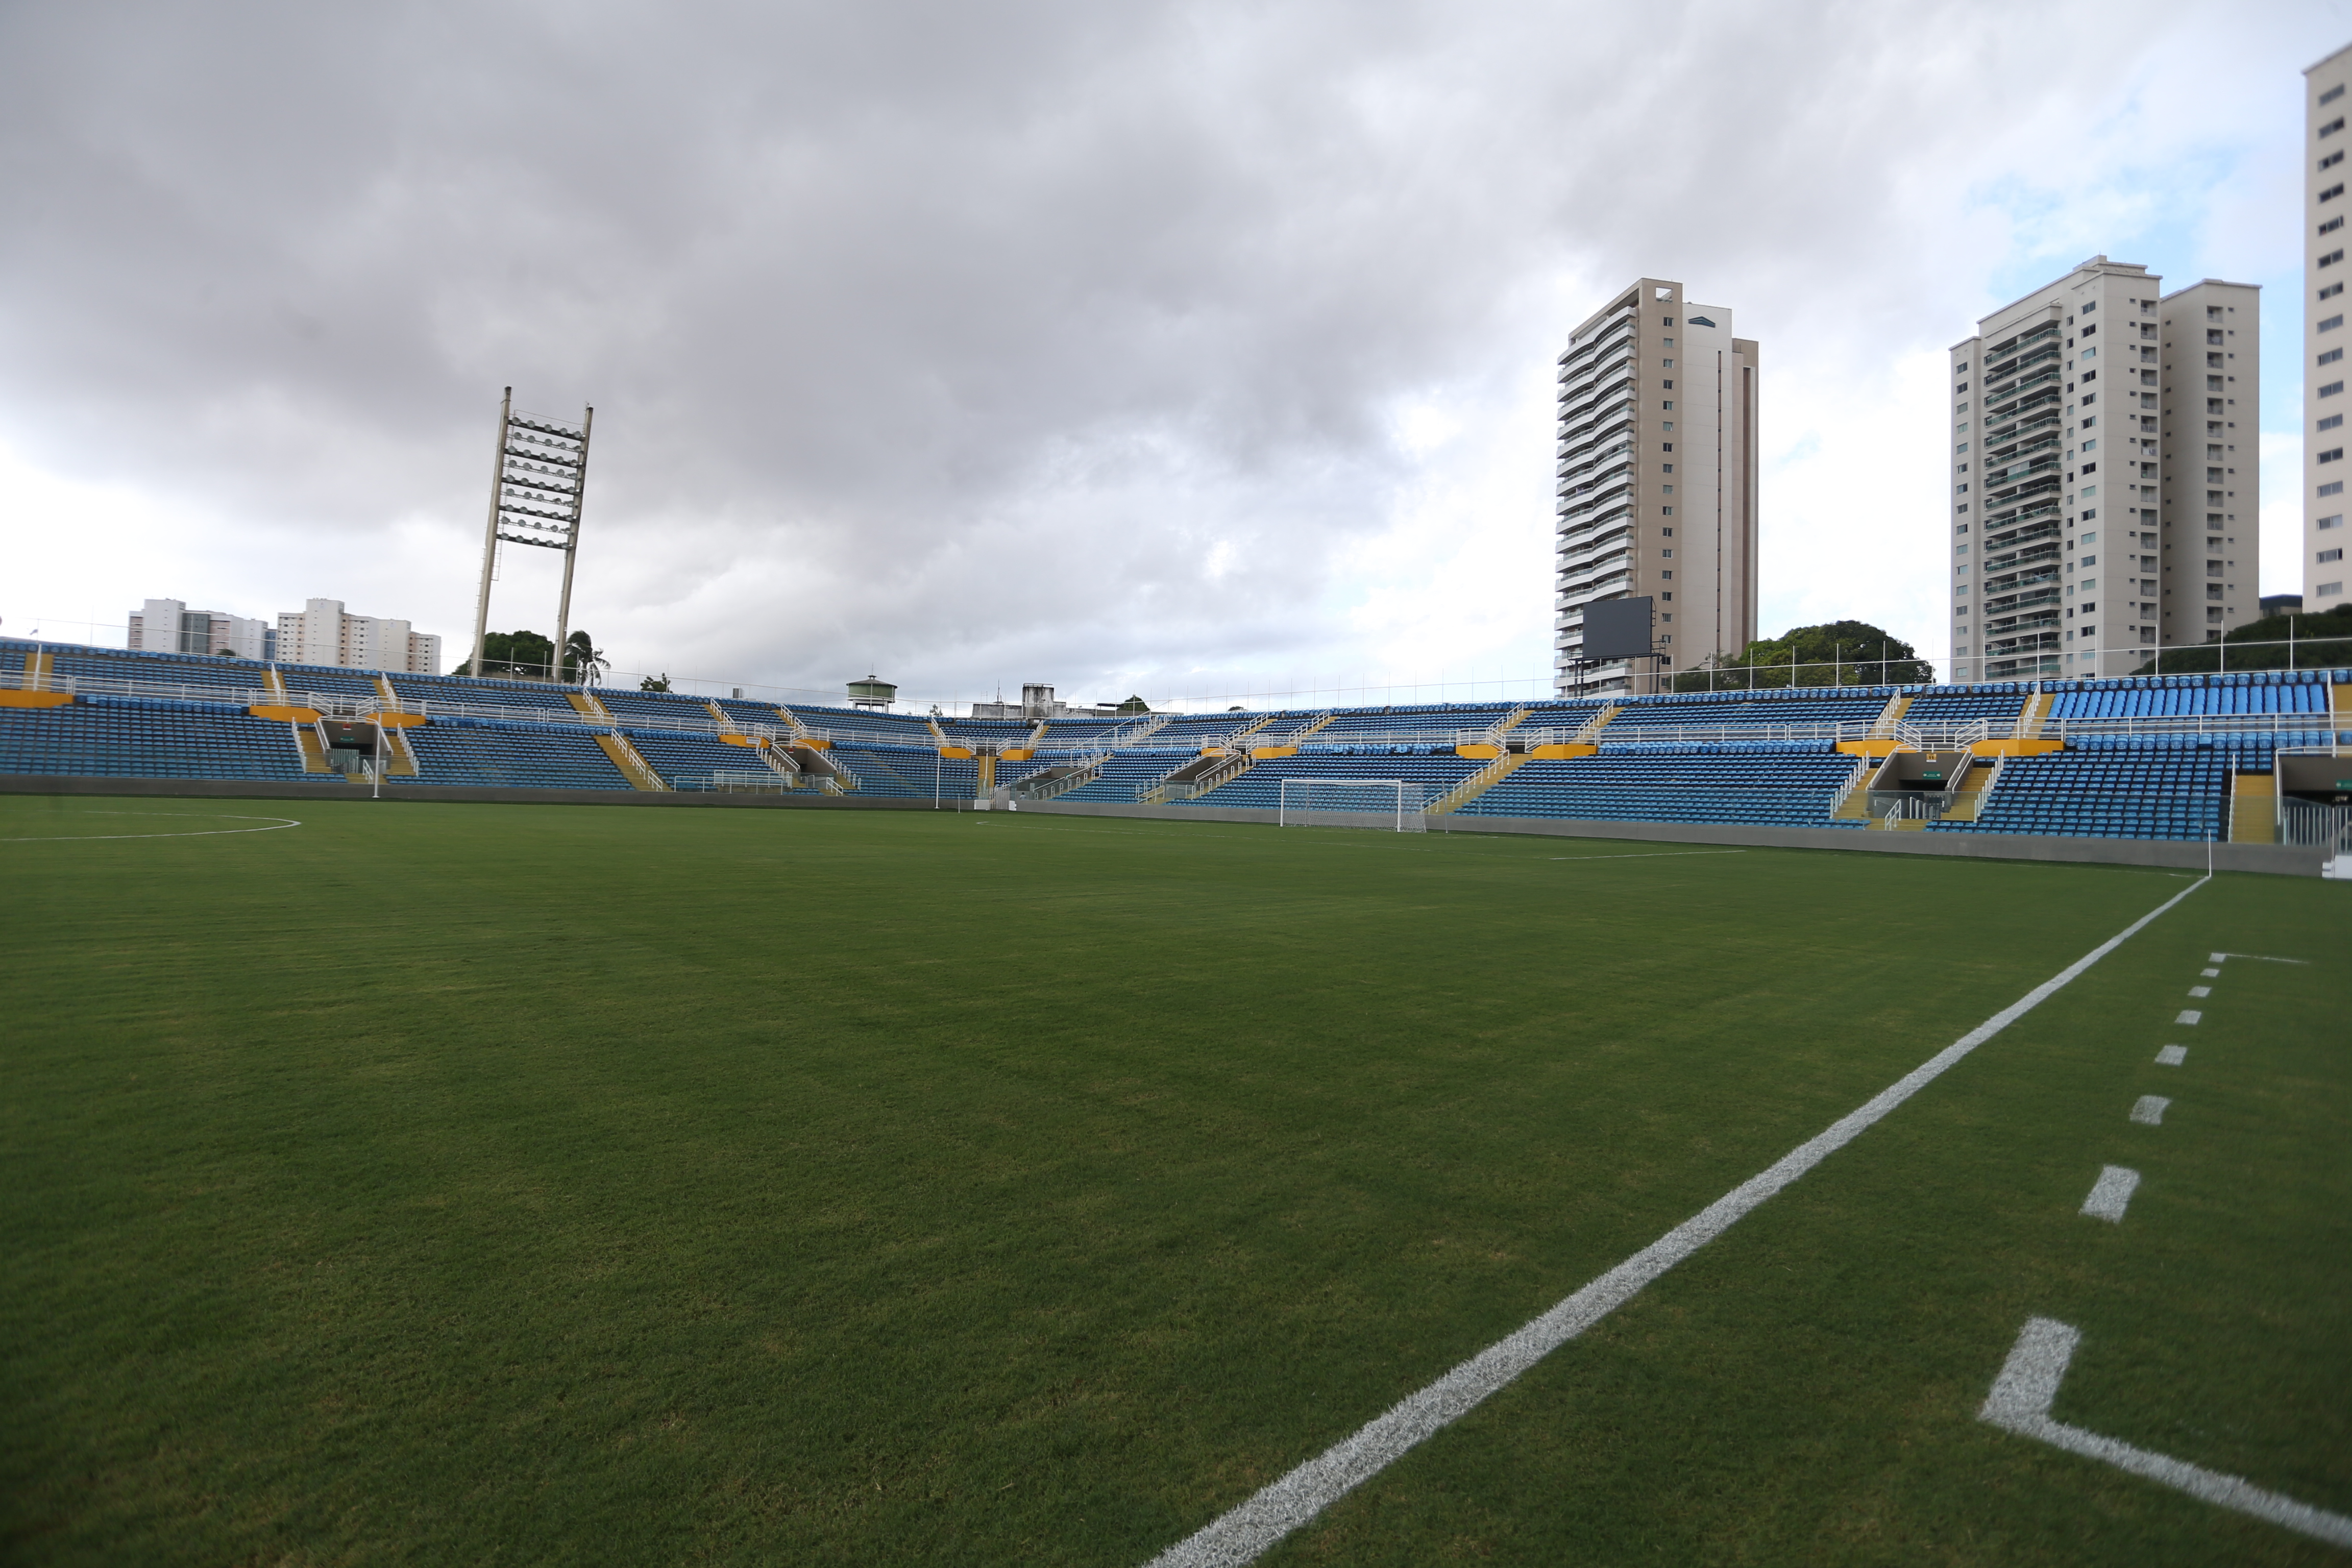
(974, 342)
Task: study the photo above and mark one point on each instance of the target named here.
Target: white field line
(2190, 1016)
(2201, 991)
(1283, 1506)
(1648, 854)
(2171, 1056)
(275, 823)
(2111, 1195)
(2209, 974)
(2259, 958)
(2028, 1384)
(2149, 1109)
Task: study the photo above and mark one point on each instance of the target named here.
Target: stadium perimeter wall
(2275, 859)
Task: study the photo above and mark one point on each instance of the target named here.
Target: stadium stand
(1128, 774)
(1732, 782)
(1959, 704)
(2144, 757)
(142, 737)
(1436, 768)
(502, 755)
(686, 760)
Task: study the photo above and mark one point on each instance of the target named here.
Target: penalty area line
(1283, 1506)
(275, 823)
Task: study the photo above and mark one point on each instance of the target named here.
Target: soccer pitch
(512, 1184)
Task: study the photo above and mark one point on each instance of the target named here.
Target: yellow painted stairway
(633, 767)
(1479, 783)
(2253, 809)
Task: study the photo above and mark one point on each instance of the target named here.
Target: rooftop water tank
(871, 692)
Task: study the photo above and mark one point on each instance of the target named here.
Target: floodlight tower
(538, 481)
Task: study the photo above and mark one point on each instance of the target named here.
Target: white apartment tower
(2100, 508)
(168, 626)
(321, 633)
(1656, 482)
(2323, 233)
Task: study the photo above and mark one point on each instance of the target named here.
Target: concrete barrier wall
(2269, 858)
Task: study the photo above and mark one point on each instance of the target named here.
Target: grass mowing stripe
(1276, 1510)
(2028, 1384)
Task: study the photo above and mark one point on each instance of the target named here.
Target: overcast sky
(1202, 350)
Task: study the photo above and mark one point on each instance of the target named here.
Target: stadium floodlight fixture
(538, 480)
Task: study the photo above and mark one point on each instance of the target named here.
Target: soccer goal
(1393, 805)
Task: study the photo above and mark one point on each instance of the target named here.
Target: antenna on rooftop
(538, 481)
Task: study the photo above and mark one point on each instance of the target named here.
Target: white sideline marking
(2216, 957)
(2149, 1109)
(1648, 854)
(2201, 991)
(2171, 1056)
(275, 823)
(1282, 1506)
(2111, 1194)
(2259, 958)
(2190, 1016)
(2028, 1384)
(2209, 974)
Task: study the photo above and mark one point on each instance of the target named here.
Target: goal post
(1393, 805)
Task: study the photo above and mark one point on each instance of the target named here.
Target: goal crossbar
(1395, 805)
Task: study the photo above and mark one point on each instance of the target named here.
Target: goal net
(1396, 805)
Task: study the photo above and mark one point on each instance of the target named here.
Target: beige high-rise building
(2324, 270)
(2077, 548)
(1656, 473)
(322, 631)
(2211, 364)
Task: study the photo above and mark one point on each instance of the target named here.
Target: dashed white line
(2190, 1016)
(2201, 991)
(1275, 1510)
(2171, 1056)
(2149, 1109)
(2028, 1384)
(2209, 974)
(2259, 958)
(2111, 1195)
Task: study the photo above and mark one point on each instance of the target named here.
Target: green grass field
(521, 1185)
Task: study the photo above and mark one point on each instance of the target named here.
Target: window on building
(2331, 95)
(2327, 555)
(2331, 356)
(2332, 192)
(2332, 291)
(2332, 126)
(2335, 521)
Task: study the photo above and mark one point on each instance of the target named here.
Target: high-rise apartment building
(321, 633)
(2102, 507)
(2324, 269)
(168, 626)
(1656, 482)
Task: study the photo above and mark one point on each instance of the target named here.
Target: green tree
(655, 683)
(2321, 641)
(1836, 653)
(1134, 705)
(513, 656)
